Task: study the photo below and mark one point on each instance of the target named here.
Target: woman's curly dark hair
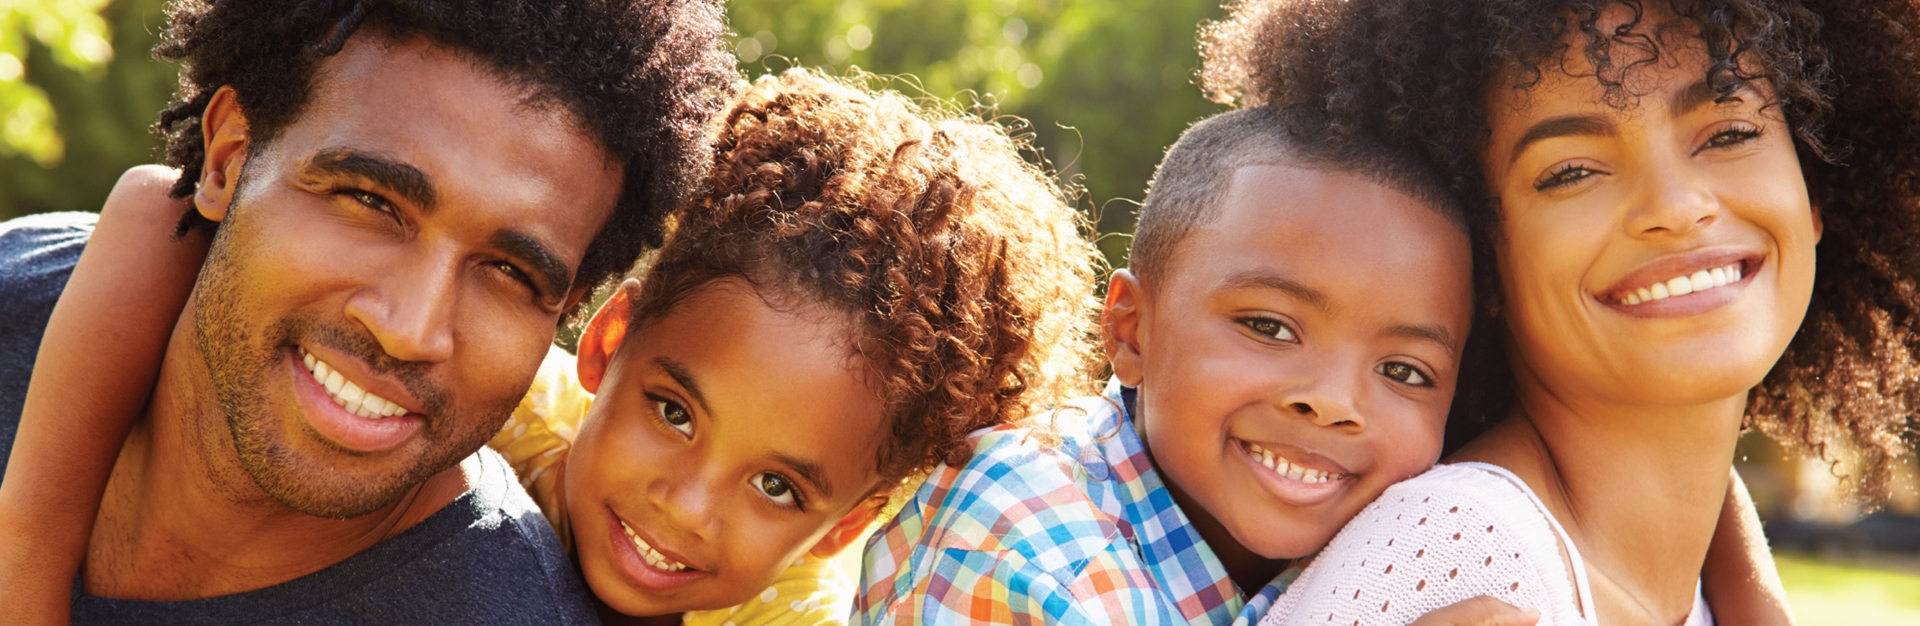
(1846, 73)
(643, 77)
(966, 275)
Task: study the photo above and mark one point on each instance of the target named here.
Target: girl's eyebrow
(808, 471)
(680, 374)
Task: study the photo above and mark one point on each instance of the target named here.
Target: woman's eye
(1562, 176)
(1270, 327)
(1730, 137)
(776, 488)
(1404, 373)
(674, 415)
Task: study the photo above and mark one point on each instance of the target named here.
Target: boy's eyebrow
(1264, 279)
(1568, 125)
(808, 471)
(1430, 332)
(680, 374)
(403, 179)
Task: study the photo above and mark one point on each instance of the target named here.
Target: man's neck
(182, 519)
(1638, 488)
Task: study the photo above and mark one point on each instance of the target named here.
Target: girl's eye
(1406, 374)
(776, 488)
(1730, 137)
(674, 415)
(1564, 175)
(1270, 327)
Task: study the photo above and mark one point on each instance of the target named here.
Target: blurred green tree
(1105, 85)
(78, 90)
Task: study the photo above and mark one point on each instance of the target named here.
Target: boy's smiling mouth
(1292, 479)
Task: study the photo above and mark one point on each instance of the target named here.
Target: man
(407, 198)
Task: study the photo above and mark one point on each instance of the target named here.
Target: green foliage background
(1103, 85)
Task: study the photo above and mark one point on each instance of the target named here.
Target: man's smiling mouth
(348, 395)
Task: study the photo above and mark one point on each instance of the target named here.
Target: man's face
(1298, 354)
(390, 272)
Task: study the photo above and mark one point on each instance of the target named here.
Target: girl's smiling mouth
(644, 563)
(1684, 284)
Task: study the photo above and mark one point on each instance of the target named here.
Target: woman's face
(1656, 254)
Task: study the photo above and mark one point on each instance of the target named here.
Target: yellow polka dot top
(535, 441)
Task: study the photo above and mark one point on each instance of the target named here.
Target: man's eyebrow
(406, 180)
(680, 374)
(1593, 125)
(1428, 332)
(547, 266)
(808, 471)
(1263, 279)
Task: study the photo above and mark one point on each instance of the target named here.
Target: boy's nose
(1327, 400)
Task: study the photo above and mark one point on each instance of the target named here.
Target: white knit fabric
(1455, 532)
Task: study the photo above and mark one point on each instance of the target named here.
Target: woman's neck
(1639, 488)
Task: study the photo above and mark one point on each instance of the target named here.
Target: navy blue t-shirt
(487, 558)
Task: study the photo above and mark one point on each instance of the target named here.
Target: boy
(1284, 348)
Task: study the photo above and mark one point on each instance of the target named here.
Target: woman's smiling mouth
(1684, 284)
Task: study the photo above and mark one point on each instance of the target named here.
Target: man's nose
(410, 309)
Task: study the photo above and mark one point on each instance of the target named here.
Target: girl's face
(1659, 254)
(727, 439)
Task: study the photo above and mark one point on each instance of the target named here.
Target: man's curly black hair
(1846, 73)
(642, 77)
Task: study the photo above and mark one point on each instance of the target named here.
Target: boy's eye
(674, 415)
(1404, 373)
(1269, 327)
(775, 487)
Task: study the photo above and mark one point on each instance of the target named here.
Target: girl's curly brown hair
(1845, 72)
(966, 274)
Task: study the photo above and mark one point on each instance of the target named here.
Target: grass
(1827, 592)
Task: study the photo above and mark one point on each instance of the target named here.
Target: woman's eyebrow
(1564, 126)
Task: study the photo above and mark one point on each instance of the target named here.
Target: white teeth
(1283, 467)
(653, 557)
(348, 395)
(1682, 285)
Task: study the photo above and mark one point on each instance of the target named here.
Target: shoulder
(501, 552)
(1015, 525)
(1450, 534)
(37, 252)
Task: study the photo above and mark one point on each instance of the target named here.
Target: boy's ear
(604, 334)
(224, 129)
(1120, 321)
(849, 528)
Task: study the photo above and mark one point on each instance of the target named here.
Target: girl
(861, 283)
(1651, 180)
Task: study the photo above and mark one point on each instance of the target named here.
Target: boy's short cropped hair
(1198, 170)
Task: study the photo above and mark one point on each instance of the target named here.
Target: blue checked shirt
(1078, 531)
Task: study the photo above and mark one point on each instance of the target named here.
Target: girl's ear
(1121, 322)
(849, 528)
(604, 334)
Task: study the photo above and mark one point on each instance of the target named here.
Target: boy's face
(727, 439)
(1297, 355)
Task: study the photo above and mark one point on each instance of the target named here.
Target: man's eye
(1404, 373)
(1269, 327)
(674, 415)
(512, 271)
(776, 488)
(372, 201)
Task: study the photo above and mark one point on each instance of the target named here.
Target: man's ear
(1120, 321)
(224, 129)
(849, 528)
(603, 335)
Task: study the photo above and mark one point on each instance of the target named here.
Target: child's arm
(1739, 580)
(97, 365)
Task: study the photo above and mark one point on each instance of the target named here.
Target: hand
(1480, 611)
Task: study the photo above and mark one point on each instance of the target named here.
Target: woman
(1652, 178)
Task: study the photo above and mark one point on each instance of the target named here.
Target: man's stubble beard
(242, 366)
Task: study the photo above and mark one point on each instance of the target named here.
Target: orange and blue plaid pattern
(1078, 531)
